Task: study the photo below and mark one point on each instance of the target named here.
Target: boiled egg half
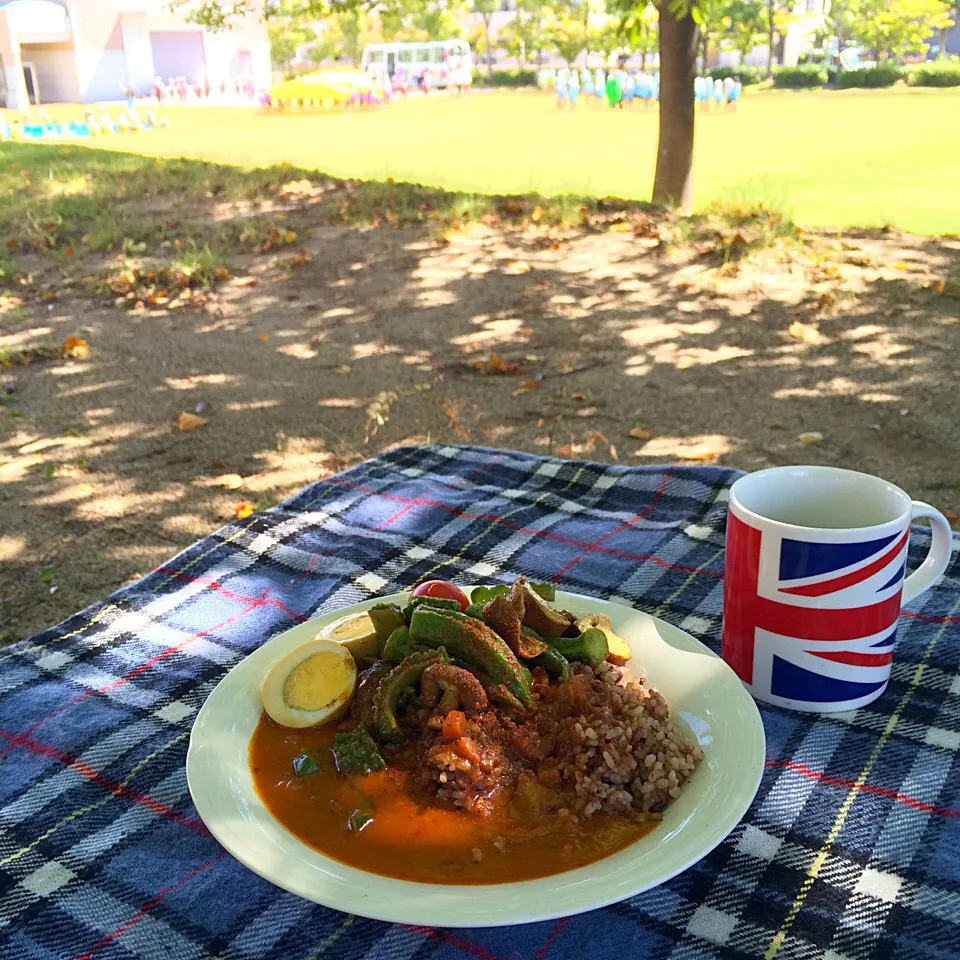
(312, 685)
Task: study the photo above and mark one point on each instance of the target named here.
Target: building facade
(84, 51)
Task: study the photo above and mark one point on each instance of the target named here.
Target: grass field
(830, 158)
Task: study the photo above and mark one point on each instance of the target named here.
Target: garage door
(177, 53)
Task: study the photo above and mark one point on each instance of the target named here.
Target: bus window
(436, 55)
(376, 56)
(405, 56)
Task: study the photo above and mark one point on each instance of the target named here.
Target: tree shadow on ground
(574, 343)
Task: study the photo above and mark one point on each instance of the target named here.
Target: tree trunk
(771, 9)
(942, 50)
(586, 38)
(486, 40)
(673, 182)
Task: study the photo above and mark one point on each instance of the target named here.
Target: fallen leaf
(378, 411)
(566, 451)
(578, 396)
(613, 452)
(707, 456)
(189, 421)
(532, 384)
(422, 387)
(539, 423)
(536, 214)
(941, 285)
(809, 437)
(84, 488)
(640, 433)
(264, 337)
(806, 333)
(245, 282)
(825, 301)
(221, 273)
(46, 574)
(900, 265)
(243, 510)
(49, 471)
(76, 347)
(585, 412)
(342, 371)
(493, 364)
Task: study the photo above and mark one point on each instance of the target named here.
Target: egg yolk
(316, 682)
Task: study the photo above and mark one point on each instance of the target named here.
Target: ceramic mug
(814, 580)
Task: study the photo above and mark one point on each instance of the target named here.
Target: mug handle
(932, 568)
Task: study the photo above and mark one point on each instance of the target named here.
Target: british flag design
(812, 624)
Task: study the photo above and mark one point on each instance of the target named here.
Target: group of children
(25, 127)
(181, 90)
(618, 87)
(719, 92)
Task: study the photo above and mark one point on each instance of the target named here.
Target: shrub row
(882, 75)
(936, 73)
(748, 75)
(505, 78)
(796, 78)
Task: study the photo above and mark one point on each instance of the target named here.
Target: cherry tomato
(441, 588)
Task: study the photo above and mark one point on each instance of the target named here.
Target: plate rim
(409, 888)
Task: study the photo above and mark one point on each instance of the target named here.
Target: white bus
(448, 61)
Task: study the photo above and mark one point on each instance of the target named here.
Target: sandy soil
(385, 336)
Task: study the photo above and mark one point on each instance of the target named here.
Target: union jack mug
(814, 580)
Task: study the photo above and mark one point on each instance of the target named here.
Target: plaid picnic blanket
(851, 849)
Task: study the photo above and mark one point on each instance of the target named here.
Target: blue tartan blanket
(851, 848)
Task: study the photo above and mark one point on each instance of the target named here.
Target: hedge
(936, 73)
(884, 75)
(794, 78)
(748, 75)
(505, 78)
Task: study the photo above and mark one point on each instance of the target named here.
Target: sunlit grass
(823, 158)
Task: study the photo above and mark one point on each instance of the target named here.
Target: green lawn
(830, 158)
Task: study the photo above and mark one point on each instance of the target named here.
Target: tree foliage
(288, 32)
(896, 27)
(890, 28)
(744, 25)
(565, 36)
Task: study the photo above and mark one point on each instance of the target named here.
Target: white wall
(139, 54)
(37, 17)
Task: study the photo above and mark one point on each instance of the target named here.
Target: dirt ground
(599, 345)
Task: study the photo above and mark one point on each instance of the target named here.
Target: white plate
(704, 695)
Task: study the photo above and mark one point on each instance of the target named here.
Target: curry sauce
(383, 823)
